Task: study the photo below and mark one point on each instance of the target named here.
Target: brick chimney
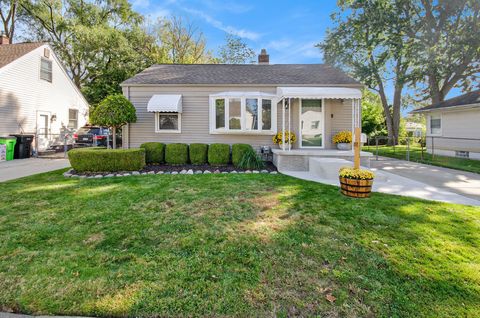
(4, 40)
(263, 58)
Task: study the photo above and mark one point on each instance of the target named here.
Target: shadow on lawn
(233, 245)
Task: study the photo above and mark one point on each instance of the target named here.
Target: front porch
(298, 159)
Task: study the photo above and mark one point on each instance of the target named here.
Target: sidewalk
(19, 168)
(460, 182)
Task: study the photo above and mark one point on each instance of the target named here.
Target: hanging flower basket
(356, 183)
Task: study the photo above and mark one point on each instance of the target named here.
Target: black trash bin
(23, 147)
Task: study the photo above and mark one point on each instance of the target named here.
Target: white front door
(43, 130)
(311, 123)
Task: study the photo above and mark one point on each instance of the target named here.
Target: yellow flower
(342, 137)
(290, 137)
(352, 173)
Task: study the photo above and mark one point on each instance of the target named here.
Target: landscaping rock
(160, 172)
(98, 176)
(248, 171)
(135, 173)
(81, 177)
(183, 171)
(151, 172)
(190, 171)
(224, 172)
(264, 171)
(216, 171)
(273, 172)
(143, 173)
(233, 171)
(126, 174)
(167, 172)
(174, 172)
(207, 171)
(255, 171)
(109, 175)
(198, 172)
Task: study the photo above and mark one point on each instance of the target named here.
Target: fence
(458, 153)
(48, 145)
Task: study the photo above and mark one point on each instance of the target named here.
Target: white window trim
(168, 131)
(429, 131)
(300, 125)
(243, 131)
(40, 70)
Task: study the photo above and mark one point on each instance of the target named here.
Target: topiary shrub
(251, 160)
(176, 154)
(106, 160)
(198, 153)
(154, 152)
(237, 152)
(218, 154)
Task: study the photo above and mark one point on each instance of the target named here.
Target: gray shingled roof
(462, 100)
(245, 74)
(11, 52)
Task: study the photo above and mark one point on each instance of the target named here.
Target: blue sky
(287, 29)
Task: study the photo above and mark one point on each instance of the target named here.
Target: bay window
(237, 112)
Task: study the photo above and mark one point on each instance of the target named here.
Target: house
(248, 103)
(453, 126)
(36, 94)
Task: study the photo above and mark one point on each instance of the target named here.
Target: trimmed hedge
(218, 154)
(154, 152)
(238, 150)
(106, 160)
(176, 154)
(198, 153)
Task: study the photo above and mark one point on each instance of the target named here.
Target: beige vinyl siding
(456, 124)
(195, 116)
(23, 94)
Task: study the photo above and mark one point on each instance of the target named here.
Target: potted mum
(290, 138)
(343, 140)
(356, 183)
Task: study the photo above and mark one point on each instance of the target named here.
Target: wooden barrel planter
(356, 188)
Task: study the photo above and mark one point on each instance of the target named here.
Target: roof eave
(454, 107)
(245, 84)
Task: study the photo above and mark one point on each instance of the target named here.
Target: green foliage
(106, 160)
(251, 160)
(154, 152)
(176, 154)
(198, 153)
(218, 154)
(113, 111)
(373, 121)
(101, 43)
(236, 51)
(238, 150)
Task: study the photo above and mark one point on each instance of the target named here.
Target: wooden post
(356, 145)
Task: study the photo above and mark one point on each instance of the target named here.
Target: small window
(435, 125)
(168, 122)
(72, 118)
(46, 70)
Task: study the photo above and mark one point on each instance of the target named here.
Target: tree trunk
(114, 141)
(397, 103)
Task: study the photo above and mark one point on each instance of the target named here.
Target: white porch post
(289, 120)
(283, 124)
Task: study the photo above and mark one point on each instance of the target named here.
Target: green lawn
(232, 245)
(400, 152)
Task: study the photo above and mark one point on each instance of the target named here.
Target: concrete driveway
(19, 168)
(460, 182)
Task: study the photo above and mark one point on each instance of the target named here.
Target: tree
(99, 42)
(235, 51)
(368, 41)
(114, 112)
(448, 54)
(373, 122)
(180, 42)
(8, 15)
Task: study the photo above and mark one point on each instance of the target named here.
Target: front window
(46, 70)
(72, 118)
(435, 125)
(247, 114)
(168, 122)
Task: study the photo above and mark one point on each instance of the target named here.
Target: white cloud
(219, 25)
(226, 5)
(296, 51)
(278, 44)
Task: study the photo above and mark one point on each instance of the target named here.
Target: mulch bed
(228, 168)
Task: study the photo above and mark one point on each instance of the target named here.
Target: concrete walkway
(19, 168)
(460, 182)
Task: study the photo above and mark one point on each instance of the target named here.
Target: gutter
(453, 108)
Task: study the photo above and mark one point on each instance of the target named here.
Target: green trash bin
(10, 142)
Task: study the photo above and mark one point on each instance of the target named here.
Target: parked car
(95, 136)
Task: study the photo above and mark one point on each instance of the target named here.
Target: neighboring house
(453, 126)
(36, 94)
(220, 103)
